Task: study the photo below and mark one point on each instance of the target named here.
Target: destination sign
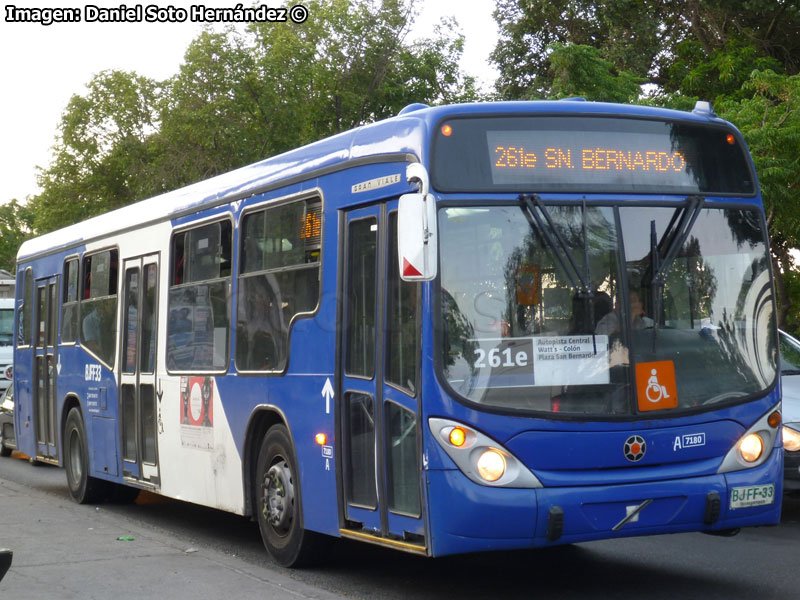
(546, 156)
(589, 154)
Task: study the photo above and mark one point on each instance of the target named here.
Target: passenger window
(98, 306)
(26, 310)
(278, 279)
(69, 302)
(198, 327)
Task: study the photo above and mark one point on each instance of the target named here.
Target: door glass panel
(51, 399)
(148, 351)
(42, 301)
(128, 393)
(148, 403)
(41, 399)
(361, 430)
(362, 262)
(402, 327)
(52, 315)
(403, 470)
(131, 325)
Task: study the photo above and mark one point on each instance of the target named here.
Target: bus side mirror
(416, 237)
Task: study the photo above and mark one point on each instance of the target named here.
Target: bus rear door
(44, 368)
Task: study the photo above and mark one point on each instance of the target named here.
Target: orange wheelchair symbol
(655, 385)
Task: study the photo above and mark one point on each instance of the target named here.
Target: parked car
(8, 441)
(790, 382)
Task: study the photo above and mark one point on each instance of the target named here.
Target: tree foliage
(241, 96)
(16, 221)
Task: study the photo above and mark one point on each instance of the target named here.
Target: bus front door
(378, 387)
(45, 369)
(138, 394)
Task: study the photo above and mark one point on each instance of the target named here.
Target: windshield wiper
(674, 238)
(583, 283)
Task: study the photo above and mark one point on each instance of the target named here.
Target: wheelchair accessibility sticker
(655, 385)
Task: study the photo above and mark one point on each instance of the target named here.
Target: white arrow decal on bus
(327, 393)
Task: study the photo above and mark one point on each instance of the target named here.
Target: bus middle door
(379, 379)
(138, 408)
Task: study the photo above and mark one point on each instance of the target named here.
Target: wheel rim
(278, 506)
(75, 456)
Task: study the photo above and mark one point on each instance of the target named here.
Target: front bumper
(467, 517)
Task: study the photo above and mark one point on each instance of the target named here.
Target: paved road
(61, 541)
(65, 551)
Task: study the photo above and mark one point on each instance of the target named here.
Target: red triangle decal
(410, 270)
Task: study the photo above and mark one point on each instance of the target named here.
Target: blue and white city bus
(464, 328)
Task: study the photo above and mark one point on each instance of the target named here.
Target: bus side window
(69, 306)
(278, 279)
(198, 326)
(98, 308)
(25, 325)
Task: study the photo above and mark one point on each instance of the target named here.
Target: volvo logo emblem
(634, 448)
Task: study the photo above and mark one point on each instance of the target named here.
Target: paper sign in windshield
(571, 360)
(540, 361)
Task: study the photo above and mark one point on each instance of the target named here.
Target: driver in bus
(611, 323)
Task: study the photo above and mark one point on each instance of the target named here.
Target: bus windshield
(535, 314)
(6, 326)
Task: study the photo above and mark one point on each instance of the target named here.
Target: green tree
(580, 71)
(100, 161)
(239, 97)
(16, 226)
(769, 118)
(696, 47)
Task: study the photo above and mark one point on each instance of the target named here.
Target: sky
(42, 66)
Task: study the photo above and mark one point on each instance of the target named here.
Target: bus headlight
(791, 438)
(491, 465)
(751, 447)
(479, 457)
(755, 445)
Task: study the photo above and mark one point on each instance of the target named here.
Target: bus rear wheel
(278, 502)
(82, 488)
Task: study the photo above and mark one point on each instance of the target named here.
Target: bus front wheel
(82, 488)
(278, 502)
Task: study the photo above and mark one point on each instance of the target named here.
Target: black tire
(278, 503)
(83, 488)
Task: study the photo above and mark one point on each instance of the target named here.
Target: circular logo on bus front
(634, 448)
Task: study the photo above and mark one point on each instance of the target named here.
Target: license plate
(752, 495)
